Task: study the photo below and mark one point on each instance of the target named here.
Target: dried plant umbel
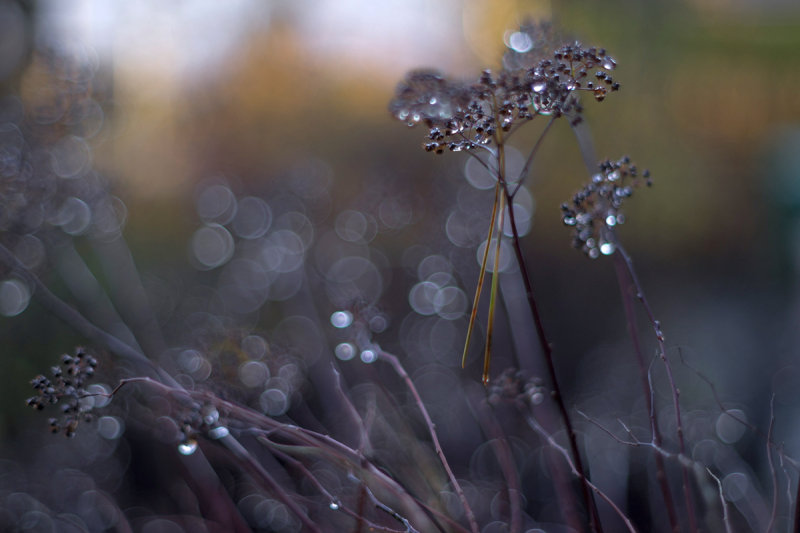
(482, 116)
(595, 210)
(67, 387)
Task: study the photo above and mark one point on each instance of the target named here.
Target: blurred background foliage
(263, 95)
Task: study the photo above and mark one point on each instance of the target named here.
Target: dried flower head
(67, 387)
(462, 117)
(596, 209)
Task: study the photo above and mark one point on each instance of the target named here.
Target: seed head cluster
(461, 116)
(67, 388)
(596, 209)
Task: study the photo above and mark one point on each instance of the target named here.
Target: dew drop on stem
(187, 447)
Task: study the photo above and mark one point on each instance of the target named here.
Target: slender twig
(662, 354)
(391, 512)
(529, 161)
(725, 514)
(398, 368)
(773, 473)
(308, 442)
(551, 371)
(505, 459)
(77, 321)
(255, 468)
(531, 421)
(335, 504)
(624, 282)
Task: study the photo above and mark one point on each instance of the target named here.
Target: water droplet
(14, 297)
(538, 86)
(415, 117)
(369, 356)
(341, 319)
(569, 221)
(609, 63)
(611, 220)
(218, 432)
(594, 253)
(433, 100)
(211, 416)
(187, 447)
(334, 506)
(607, 248)
(402, 114)
(345, 351)
(614, 176)
(520, 42)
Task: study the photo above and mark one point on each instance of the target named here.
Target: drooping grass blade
(487, 355)
(481, 276)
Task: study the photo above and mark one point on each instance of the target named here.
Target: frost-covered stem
(401, 371)
(662, 354)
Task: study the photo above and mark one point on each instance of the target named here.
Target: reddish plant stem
(662, 354)
(625, 284)
(591, 508)
(398, 368)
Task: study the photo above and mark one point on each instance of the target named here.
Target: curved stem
(662, 354)
(398, 368)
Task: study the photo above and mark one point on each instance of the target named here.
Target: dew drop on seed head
(334, 506)
(341, 319)
(609, 63)
(538, 86)
(187, 447)
(607, 248)
(369, 356)
(219, 432)
(345, 351)
(611, 220)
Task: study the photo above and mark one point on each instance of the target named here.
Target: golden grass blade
(487, 355)
(481, 276)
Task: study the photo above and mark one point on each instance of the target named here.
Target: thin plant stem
(659, 335)
(531, 421)
(547, 351)
(725, 514)
(77, 321)
(254, 467)
(481, 277)
(772, 471)
(502, 450)
(624, 282)
(398, 368)
(487, 356)
(529, 161)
